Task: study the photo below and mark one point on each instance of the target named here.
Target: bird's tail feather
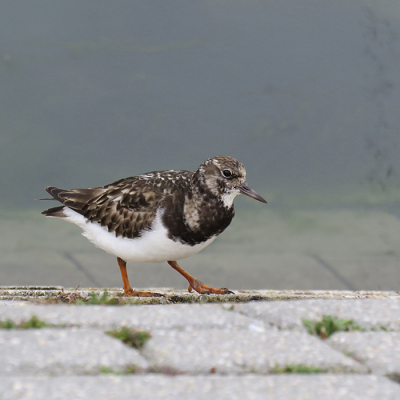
(54, 211)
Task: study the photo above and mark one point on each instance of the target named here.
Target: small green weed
(32, 323)
(94, 299)
(7, 324)
(330, 324)
(297, 369)
(131, 337)
(382, 328)
(128, 370)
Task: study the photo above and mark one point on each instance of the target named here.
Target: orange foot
(201, 288)
(134, 293)
(195, 284)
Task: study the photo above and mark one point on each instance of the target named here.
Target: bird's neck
(206, 211)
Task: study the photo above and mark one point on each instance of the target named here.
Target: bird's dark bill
(248, 191)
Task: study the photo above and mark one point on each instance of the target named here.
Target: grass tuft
(8, 324)
(330, 324)
(32, 323)
(128, 370)
(96, 300)
(297, 369)
(131, 337)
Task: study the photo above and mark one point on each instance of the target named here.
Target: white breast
(153, 246)
(228, 198)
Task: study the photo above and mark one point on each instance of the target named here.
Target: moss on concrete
(56, 294)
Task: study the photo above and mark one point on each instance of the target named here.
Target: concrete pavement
(228, 350)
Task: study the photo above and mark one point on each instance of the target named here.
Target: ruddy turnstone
(158, 216)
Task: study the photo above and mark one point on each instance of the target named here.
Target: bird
(160, 216)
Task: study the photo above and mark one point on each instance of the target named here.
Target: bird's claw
(134, 293)
(201, 288)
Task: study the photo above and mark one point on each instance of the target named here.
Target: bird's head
(226, 177)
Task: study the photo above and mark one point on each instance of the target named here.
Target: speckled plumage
(187, 208)
(127, 206)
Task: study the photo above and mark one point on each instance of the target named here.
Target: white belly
(152, 246)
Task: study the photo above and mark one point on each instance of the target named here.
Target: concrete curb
(173, 296)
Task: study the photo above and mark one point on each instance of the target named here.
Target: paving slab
(27, 267)
(380, 351)
(263, 270)
(64, 352)
(359, 268)
(233, 352)
(348, 232)
(161, 387)
(368, 313)
(174, 316)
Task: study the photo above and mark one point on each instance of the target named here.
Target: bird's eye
(226, 173)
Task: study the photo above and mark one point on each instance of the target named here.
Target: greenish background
(304, 93)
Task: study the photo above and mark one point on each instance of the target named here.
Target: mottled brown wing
(74, 198)
(128, 207)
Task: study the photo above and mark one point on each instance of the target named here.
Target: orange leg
(127, 287)
(195, 284)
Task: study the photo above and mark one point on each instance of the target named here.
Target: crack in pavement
(333, 271)
(81, 268)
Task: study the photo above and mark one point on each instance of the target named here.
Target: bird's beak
(244, 188)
